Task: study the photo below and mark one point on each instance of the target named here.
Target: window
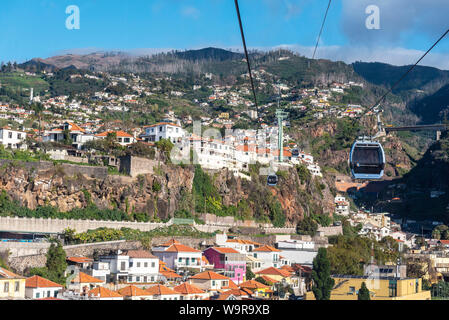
(145, 264)
(130, 279)
(6, 289)
(131, 264)
(19, 136)
(213, 283)
(123, 265)
(38, 295)
(417, 285)
(153, 264)
(48, 293)
(255, 255)
(138, 264)
(17, 286)
(10, 135)
(145, 279)
(127, 140)
(137, 279)
(152, 279)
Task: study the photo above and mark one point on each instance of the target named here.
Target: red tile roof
(266, 248)
(180, 248)
(132, 291)
(85, 278)
(169, 243)
(39, 282)
(118, 133)
(142, 254)
(209, 275)
(187, 288)
(274, 271)
(80, 259)
(160, 290)
(253, 284)
(104, 293)
(225, 250)
(8, 274)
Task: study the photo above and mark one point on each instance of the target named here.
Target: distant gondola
(367, 159)
(272, 180)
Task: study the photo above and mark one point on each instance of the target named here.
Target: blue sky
(36, 28)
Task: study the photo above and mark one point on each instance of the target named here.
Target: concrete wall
(231, 222)
(330, 231)
(135, 166)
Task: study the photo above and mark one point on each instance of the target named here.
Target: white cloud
(398, 19)
(190, 12)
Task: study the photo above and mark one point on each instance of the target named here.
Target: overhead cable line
(408, 71)
(321, 31)
(247, 56)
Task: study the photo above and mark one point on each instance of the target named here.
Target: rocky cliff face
(52, 187)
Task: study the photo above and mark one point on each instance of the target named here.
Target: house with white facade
(298, 251)
(37, 287)
(163, 130)
(122, 138)
(132, 266)
(268, 255)
(178, 256)
(12, 139)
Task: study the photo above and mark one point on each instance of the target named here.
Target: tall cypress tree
(321, 275)
(364, 292)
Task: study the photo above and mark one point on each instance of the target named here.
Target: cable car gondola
(272, 180)
(367, 159)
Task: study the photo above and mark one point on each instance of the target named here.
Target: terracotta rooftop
(181, 248)
(143, 254)
(266, 248)
(160, 290)
(39, 282)
(253, 284)
(132, 291)
(225, 250)
(274, 271)
(85, 278)
(104, 293)
(80, 259)
(187, 288)
(209, 275)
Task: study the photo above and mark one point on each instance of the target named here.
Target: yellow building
(224, 115)
(347, 287)
(12, 286)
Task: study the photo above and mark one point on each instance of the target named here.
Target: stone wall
(231, 222)
(17, 249)
(59, 225)
(330, 231)
(135, 166)
(67, 168)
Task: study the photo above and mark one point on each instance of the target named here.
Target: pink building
(229, 261)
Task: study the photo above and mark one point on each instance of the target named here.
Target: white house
(210, 281)
(268, 255)
(122, 138)
(37, 287)
(341, 206)
(13, 139)
(163, 130)
(297, 251)
(178, 256)
(189, 291)
(161, 292)
(132, 266)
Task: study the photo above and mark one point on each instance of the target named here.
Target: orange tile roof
(170, 274)
(162, 123)
(181, 248)
(104, 293)
(269, 279)
(206, 262)
(160, 290)
(187, 288)
(118, 133)
(132, 291)
(143, 254)
(39, 282)
(231, 285)
(85, 278)
(274, 271)
(8, 274)
(75, 127)
(80, 259)
(225, 250)
(288, 268)
(267, 248)
(238, 292)
(244, 241)
(253, 284)
(209, 275)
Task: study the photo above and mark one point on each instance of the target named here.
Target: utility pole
(281, 115)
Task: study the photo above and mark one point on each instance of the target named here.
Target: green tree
(56, 262)
(307, 226)
(249, 274)
(321, 275)
(165, 146)
(363, 293)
